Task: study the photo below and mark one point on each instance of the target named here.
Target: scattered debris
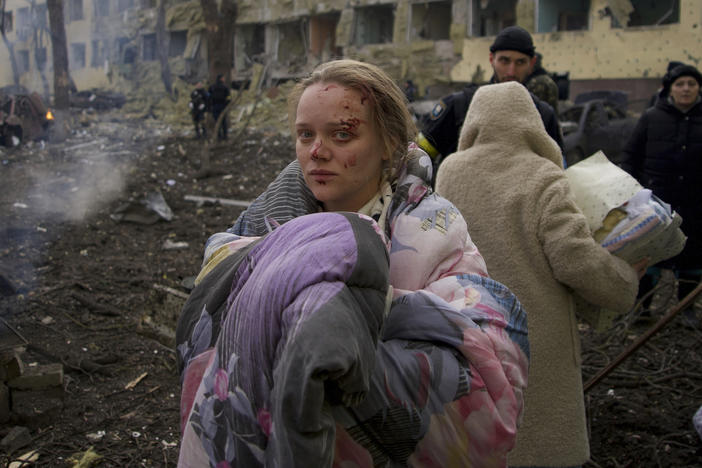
(25, 459)
(150, 210)
(136, 381)
(170, 245)
(169, 290)
(97, 99)
(85, 459)
(17, 438)
(222, 201)
(23, 117)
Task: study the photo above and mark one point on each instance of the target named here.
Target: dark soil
(101, 296)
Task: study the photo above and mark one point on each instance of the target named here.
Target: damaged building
(602, 44)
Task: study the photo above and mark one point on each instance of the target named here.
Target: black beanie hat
(677, 72)
(514, 38)
(672, 64)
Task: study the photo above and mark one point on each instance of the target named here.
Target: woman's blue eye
(342, 135)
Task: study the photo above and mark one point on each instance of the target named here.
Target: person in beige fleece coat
(507, 179)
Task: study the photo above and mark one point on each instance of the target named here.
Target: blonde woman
(358, 324)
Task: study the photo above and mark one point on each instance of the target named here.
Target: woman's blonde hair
(389, 107)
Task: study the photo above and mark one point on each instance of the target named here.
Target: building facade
(602, 44)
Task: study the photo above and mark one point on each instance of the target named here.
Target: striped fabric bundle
(650, 229)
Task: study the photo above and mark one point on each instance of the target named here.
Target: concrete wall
(605, 55)
(634, 57)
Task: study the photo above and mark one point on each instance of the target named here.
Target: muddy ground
(93, 278)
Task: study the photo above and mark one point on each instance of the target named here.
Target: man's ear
(492, 58)
(532, 62)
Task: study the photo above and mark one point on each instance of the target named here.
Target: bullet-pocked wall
(603, 44)
(616, 44)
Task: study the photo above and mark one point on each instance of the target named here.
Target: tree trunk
(62, 80)
(59, 53)
(220, 31)
(10, 48)
(38, 30)
(162, 46)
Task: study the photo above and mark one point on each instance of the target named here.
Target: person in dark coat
(199, 100)
(219, 98)
(512, 56)
(660, 91)
(664, 153)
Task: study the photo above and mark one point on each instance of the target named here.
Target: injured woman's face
(338, 146)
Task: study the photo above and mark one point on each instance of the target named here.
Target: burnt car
(23, 117)
(598, 121)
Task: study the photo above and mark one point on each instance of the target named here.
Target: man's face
(510, 65)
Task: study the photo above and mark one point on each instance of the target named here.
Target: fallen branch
(682, 305)
(169, 290)
(102, 309)
(221, 201)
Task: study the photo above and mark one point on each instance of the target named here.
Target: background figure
(512, 59)
(410, 90)
(541, 85)
(199, 99)
(508, 181)
(347, 319)
(219, 98)
(659, 92)
(664, 153)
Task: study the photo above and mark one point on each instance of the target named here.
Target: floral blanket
(294, 350)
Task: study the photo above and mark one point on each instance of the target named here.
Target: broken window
(176, 43)
(431, 20)
(323, 36)
(291, 42)
(629, 13)
(40, 16)
(126, 52)
(374, 24)
(492, 16)
(6, 26)
(97, 56)
(40, 57)
(249, 45)
(23, 62)
(24, 23)
(148, 47)
(102, 8)
(77, 55)
(562, 15)
(75, 10)
(124, 5)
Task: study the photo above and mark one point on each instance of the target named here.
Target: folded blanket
(292, 353)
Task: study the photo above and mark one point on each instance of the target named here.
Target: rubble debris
(25, 459)
(35, 393)
(17, 438)
(222, 201)
(97, 99)
(85, 459)
(39, 377)
(171, 245)
(23, 117)
(150, 210)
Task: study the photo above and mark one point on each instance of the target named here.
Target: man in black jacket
(199, 100)
(512, 59)
(219, 98)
